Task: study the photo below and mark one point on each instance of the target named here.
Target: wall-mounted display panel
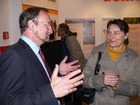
(50, 4)
(134, 33)
(85, 28)
(33, 2)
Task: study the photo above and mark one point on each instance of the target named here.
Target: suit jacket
(52, 52)
(55, 52)
(23, 80)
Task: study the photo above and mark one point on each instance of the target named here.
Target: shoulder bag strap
(97, 68)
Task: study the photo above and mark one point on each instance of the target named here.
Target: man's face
(43, 28)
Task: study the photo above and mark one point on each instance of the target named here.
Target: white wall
(9, 11)
(15, 11)
(4, 21)
(97, 9)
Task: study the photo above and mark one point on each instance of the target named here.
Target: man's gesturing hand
(62, 86)
(65, 68)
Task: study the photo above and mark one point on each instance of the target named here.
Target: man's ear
(31, 24)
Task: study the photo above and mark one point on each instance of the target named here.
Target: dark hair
(122, 25)
(64, 27)
(29, 14)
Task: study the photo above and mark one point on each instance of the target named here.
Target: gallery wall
(9, 13)
(97, 9)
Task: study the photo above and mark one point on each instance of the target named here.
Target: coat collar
(106, 57)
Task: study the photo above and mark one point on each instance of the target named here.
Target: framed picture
(33, 2)
(85, 28)
(49, 4)
(134, 33)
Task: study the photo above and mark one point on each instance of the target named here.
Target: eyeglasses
(45, 23)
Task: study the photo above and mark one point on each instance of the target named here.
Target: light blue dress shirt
(36, 49)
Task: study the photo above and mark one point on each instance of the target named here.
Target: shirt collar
(33, 46)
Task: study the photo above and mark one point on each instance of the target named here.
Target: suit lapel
(29, 52)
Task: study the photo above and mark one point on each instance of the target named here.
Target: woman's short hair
(120, 23)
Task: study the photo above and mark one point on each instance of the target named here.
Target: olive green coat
(75, 50)
(127, 66)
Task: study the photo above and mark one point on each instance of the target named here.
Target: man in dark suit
(24, 78)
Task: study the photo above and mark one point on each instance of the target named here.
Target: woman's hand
(111, 79)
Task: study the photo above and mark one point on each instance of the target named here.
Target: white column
(10, 11)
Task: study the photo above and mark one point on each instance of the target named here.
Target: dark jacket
(23, 80)
(52, 52)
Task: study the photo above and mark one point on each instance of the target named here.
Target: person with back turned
(71, 47)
